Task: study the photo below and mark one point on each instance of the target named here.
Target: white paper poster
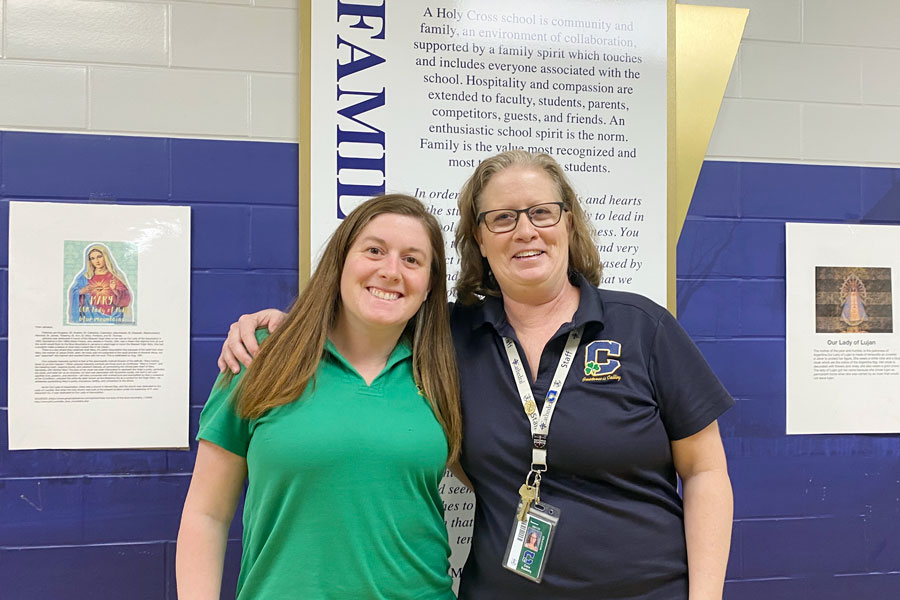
(843, 348)
(99, 326)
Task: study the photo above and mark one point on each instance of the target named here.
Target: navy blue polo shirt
(611, 473)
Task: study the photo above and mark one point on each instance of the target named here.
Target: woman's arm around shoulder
(708, 510)
(215, 489)
(241, 346)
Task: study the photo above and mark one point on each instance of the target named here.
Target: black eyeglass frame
(481, 216)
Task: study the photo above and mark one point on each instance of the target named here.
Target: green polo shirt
(342, 500)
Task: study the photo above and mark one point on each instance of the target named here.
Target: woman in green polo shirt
(343, 427)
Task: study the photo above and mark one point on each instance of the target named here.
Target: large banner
(411, 96)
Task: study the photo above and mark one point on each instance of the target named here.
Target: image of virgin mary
(99, 293)
(853, 301)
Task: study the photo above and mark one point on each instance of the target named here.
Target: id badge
(529, 541)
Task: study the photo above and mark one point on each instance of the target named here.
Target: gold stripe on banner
(671, 174)
(304, 93)
(706, 43)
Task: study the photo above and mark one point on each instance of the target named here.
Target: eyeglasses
(506, 219)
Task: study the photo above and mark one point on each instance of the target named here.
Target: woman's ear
(478, 240)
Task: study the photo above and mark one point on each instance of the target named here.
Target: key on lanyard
(529, 494)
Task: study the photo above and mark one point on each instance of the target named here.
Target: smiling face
(98, 261)
(386, 275)
(529, 261)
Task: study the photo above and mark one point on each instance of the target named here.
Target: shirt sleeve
(219, 423)
(689, 394)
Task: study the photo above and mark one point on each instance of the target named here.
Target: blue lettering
(363, 175)
(365, 61)
(371, 135)
(362, 11)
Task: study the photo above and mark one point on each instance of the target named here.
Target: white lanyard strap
(540, 422)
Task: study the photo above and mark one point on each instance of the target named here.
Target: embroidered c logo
(597, 359)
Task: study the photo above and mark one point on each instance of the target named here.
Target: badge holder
(532, 532)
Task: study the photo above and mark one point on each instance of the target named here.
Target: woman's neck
(367, 349)
(534, 313)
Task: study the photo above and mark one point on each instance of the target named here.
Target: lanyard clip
(539, 452)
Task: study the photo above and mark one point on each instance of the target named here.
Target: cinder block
(761, 418)
(770, 488)
(273, 238)
(242, 172)
(45, 463)
(3, 379)
(880, 72)
(851, 134)
(853, 482)
(751, 368)
(709, 308)
(757, 129)
(733, 570)
(229, 37)
(182, 461)
(864, 585)
(208, 102)
(880, 195)
(768, 20)
(132, 508)
(809, 546)
(40, 512)
(711, 248)
(882, 543)
(4, 221)
(84, 166)
(4, 310)
(870, 24)
(220, 237)
(133, 571)
(45, 96)
(762, 308)
(204, 353)
(717, 191)
(782, 588)
(273, 106)
(232, 567)
(792, 192)
(806, 72)
(276, 3)
(110, 32)
(218, 298)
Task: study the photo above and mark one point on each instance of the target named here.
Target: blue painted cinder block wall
(82, 524)
(816, 517)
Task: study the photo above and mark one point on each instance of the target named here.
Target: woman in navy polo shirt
(636, 405)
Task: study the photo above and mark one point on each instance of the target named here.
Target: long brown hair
(288, 359)
(475, 278)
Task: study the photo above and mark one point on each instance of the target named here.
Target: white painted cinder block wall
(816, 81)
(220, 69)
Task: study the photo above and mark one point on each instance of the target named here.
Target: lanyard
(540, 422)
